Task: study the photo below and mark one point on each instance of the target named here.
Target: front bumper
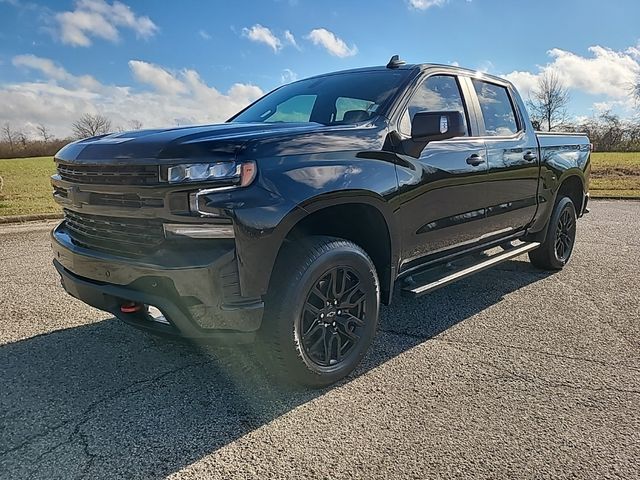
(195, 287)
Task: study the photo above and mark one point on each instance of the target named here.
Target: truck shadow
(105, 400)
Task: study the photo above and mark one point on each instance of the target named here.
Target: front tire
(321, 312)
(554, 253)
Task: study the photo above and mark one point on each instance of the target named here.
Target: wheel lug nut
(339, 312)
(322, 315)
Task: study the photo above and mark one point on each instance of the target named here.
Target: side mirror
(430, 126)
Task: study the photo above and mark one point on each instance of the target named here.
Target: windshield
(343, 98)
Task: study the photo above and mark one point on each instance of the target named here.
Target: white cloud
(288, 76)
(601, 107)
(98, 18)
(607, 72)
(204, 34)
(524, 81)
(426, 4)
(53, 71)
(261, 34)
(44, 65)
(60, 98)
(289, 38)
(604, 72)
(157, 77)
(332, 43)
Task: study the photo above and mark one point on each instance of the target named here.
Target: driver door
(441, 191)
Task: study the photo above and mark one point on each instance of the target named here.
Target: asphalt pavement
(513, 373)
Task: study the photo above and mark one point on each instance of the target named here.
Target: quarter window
(497, 109)
(437, 93)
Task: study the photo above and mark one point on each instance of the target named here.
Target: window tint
(440, 92)
(294, 109)
(357, 107)
(497, 110)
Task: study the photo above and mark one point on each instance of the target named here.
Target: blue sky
(195, 61)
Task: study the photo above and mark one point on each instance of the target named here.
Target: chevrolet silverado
(290, 223)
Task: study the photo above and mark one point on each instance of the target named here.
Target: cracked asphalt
(514, 373)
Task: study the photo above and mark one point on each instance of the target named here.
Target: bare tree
(22, 139)
(43, 131)
(91, 125)
(9, 136)
(548, 101)
(135, 124)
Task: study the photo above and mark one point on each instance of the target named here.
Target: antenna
(395, 62)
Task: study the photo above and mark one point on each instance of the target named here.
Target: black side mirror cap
(430, 126)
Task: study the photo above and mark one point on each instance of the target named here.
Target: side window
(294, 109)
(497, 109)
(440, 92)
(360, 109)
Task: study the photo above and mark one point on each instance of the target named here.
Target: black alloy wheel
(565, 235)
(321, 312)
(333, 318)
(556, 249)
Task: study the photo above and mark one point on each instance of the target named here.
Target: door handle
(530, 156)
(475, 160)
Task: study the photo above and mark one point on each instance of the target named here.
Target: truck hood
(222, 141)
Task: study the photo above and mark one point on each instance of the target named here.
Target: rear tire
(321, 312)
(554, 253)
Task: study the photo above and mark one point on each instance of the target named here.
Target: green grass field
(26, 188)
(615, 174)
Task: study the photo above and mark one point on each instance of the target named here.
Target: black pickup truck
(290, 223)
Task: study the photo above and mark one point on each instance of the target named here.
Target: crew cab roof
(419, 67)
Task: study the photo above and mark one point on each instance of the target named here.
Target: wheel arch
(572, 186)
(362, 219)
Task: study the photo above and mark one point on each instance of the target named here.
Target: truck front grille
(110, 174)
(123, 236)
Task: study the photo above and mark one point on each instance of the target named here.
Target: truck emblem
(444, 124)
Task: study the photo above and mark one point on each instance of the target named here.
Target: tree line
(547, 105)
(14, 143)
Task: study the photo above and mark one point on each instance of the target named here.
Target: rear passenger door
(512, 165)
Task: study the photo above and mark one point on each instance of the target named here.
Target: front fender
(288, 190)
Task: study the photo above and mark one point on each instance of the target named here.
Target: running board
(413, 290)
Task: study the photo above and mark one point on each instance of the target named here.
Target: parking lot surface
(513, 373)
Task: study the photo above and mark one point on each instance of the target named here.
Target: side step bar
(419, 290)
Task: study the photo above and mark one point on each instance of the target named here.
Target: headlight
(241, 174)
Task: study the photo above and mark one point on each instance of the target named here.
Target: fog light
(198, 231)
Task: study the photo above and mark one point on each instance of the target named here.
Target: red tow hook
(130, 307)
